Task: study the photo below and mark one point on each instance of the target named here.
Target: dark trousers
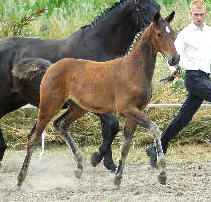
(198, 85)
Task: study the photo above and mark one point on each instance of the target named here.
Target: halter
(138, 10)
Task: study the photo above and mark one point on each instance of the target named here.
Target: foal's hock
(120, 86)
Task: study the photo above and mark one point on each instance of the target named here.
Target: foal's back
(97, 86)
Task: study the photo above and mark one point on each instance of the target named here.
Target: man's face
(198, 16)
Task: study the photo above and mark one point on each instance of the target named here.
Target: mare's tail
(28, 68)
(28, 72)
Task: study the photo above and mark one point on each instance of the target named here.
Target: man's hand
(174, 71)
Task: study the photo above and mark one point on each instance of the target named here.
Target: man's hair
(198, 4)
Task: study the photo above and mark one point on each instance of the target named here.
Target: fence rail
(149, 105)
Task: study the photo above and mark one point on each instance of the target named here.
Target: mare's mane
(104, 14)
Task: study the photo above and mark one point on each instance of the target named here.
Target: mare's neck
(117, 32)
(143, 55)
(114, 31)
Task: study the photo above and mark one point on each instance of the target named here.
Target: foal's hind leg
(32, 140)
(62, 124)
(129, 129)
(143, 120)
(110, 127)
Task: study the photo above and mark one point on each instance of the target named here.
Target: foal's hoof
(117, 181)
(20, 179)
(95, 159)
(78, 173)
(110, 166)
(162, 179)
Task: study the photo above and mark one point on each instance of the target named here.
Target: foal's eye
(160, 35)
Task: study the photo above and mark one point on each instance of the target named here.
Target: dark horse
(122, 86)
(107, 37)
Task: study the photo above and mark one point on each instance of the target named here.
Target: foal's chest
(144, 96)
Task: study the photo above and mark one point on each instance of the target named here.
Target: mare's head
(144, 12)
(163, 36)
(137, 14)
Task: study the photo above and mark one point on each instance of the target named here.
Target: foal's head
(163, 38)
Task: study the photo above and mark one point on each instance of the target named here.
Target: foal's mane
(136, 39)
(105, 13)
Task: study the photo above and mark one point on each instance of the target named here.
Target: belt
(198, 72)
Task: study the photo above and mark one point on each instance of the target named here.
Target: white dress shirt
(194, 47)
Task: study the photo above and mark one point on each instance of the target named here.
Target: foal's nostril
(175, 60)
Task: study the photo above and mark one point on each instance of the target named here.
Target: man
(193, 44)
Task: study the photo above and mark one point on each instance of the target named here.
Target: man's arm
(179, 44)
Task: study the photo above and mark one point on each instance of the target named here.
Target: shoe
(151, 152)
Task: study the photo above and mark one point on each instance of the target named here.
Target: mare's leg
(62, 124)
(141, 119)
(9, 106)
(129, 129)
(3, 147)
(110, 127)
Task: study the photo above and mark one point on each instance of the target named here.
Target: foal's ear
(170, 17)
(157, 17)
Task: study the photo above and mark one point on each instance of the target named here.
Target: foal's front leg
(141, 119)
(129, 129)
(62, 124)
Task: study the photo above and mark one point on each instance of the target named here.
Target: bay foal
(121, 86)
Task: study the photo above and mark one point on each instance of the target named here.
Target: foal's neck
(144, 55)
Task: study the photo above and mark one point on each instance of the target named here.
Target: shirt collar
(194, 27)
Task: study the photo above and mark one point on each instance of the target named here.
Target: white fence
(149, 105)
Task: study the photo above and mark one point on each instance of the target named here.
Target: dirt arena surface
(52, 179)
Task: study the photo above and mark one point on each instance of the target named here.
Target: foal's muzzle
(174, 60)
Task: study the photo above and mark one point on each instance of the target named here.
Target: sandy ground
(52, 179)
